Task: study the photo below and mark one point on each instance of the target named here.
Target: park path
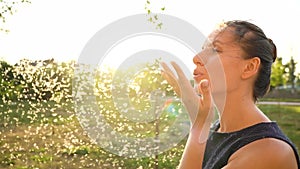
(279, 103)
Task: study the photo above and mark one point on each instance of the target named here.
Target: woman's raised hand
(200, 108)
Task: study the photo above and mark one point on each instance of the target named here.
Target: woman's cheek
(217, 76)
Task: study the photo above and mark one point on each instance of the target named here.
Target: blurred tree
(45, 80)
(130, 90)
(291, 67)
(10, 85)
(278, 72)
(148, 80)
(7, 8)
(297, 80)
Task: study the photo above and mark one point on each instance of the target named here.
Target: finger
(170, 79)
(167, 69)
(168, 74)
(179, 71)
(172, 82)
(207, 110)
(206, 99)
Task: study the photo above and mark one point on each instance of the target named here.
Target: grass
(42, 137)
(288, 118)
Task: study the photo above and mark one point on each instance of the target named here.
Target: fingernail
(204, 83)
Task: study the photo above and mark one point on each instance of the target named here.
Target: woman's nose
(203, 57)
(198, 60)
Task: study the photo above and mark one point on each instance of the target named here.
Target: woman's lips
(198, 76)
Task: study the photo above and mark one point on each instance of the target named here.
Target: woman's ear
(251, 67)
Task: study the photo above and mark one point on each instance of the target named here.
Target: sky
(60, 29)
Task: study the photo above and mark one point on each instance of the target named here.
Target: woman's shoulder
(264, 153)
(262, 145)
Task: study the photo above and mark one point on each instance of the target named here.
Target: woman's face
(220, 61)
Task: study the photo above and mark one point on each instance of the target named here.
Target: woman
(232, 71)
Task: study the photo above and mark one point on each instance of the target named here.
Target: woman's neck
(237, 111)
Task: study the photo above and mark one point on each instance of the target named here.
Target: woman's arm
(193, 154)
(200, 111)
(264, 154)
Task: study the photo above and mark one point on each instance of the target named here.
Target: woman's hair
(254, 43)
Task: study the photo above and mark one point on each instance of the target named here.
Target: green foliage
(7, 8)
(298, 79)
(45, 80)
(153, 17)
(41, 158)
(39, 128)
(9, 83)
(278, 77)
(284, 76)
(133, 95)
(26, 86)
(291, 67)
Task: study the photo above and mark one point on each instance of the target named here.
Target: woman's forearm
(195, 147)
(193, 153)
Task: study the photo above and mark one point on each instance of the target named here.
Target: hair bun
(274, 49)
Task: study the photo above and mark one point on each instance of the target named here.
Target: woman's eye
(216, 50)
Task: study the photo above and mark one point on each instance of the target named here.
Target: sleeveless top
(220, 146)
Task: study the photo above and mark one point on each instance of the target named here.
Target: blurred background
(40, 42)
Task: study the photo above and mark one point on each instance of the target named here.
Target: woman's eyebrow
(206, 43)
(216, 42)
